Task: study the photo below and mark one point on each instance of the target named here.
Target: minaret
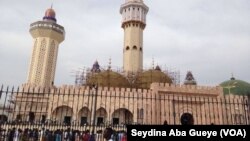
(133, 22)
(47, 35)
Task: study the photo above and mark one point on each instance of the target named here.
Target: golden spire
(109, 67)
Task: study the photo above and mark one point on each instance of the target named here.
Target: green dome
(236, 87)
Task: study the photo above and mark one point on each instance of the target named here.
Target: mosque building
(132, 96)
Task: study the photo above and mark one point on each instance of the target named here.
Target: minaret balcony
(135, 4)
(47, 25)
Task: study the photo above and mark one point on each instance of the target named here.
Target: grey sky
(209, 37)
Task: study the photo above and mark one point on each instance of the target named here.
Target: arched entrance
(62, 115)
(84, 116)
(101, 116)
(122, 116)
(187, 119)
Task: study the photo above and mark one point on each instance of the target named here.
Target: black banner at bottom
(192, 132)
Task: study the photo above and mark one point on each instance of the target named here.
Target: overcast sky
(209, 37)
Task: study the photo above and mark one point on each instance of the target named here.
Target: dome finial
(96, 67)
(190, 79)
(153, 63)
(50, 14)
(109, 67)
(232, 78)
(157, 68)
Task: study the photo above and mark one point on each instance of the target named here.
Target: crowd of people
(61, 135)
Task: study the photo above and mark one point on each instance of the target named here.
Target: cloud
(210, 38)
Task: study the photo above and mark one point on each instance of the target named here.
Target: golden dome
(50, 13)
(145, 79)
(107, 79)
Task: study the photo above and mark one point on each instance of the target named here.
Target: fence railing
(93, 109)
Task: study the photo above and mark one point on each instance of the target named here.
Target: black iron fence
(81, 109)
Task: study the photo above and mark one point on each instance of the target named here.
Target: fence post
(95, 104)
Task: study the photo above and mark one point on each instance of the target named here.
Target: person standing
(124, 137)
(165, 122)
(86, 136)
(16, 135)
(107, 134)
(92, 136)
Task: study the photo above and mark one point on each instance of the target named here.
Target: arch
(101, 116)
(135, 47)
(63, 115)
(127, 48)
(185, 109)
(187, 119)
(84, 116)
(122, 116)
(60, 105)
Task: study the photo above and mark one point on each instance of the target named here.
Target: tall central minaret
(47, 35)
(133, 22)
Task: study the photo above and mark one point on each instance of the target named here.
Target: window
(31, 117)
(18, 118)
(83, 120)
(100, 121)
(3, 118)
(67, 120)
(115, 121)
(127, 48)
(43, 120)
(134, 47)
